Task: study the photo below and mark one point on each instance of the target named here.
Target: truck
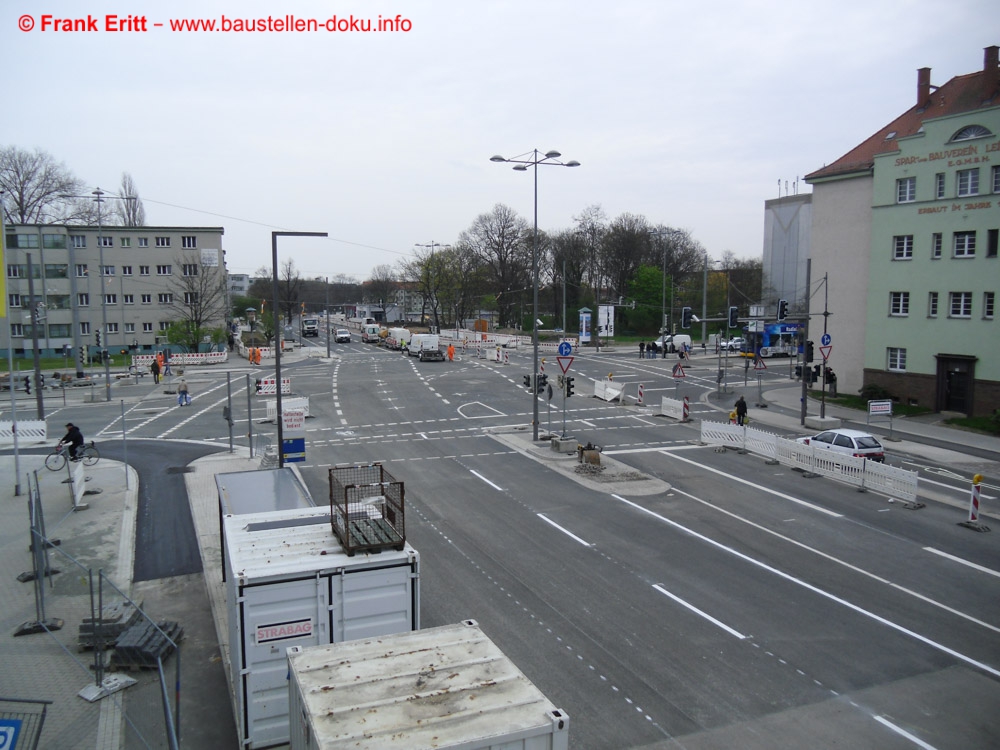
(370, 333)
(309, 327)
(426, 346)
(447, 687)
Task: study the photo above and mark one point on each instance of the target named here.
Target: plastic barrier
(27, 429)
(268, 387)
(287, 404)
(607, 390)
(671, 407)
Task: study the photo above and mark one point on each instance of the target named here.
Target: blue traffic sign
(565, 349)
(827, 338)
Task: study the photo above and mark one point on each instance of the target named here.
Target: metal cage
(366, 508)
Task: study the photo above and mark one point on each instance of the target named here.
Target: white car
(848, 442)
(737, 344)
(343, 336)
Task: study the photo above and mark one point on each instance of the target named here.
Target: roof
(960, 95)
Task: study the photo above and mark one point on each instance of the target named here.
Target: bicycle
(87, 453)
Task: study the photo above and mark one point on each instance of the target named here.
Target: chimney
(923, 86)
(991, 71)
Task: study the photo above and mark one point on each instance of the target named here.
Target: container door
(276, 616)
(369, 603)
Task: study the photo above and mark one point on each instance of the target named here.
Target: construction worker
(451, 352)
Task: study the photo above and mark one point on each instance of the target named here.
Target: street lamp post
(430, 280)
(522, 163)
(277, 335)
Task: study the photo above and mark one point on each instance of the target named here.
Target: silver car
(848, 442)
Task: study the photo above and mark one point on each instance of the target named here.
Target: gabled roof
(965, 93)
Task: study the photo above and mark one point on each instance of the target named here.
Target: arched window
(970, 132)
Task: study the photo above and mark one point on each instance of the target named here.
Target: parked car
(848, 442)
(343, 336)
(736, 344)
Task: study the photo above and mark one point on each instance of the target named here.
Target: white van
(369, 333)
(675, 343)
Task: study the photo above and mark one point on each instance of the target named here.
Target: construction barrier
(268, 386)
(606, 390)
(287, 404)
(674, 409)
(641, 388)
(859, 472)
(27, 429)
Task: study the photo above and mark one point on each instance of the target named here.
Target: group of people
(159, 366)
(650, 350)
(253, 355)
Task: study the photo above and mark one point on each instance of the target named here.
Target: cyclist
(73, 438)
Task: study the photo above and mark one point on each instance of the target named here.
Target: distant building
(239, 284)
(905, 226)
(787, 227)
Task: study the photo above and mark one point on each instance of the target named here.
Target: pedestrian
(166, 363)
(154, 367)
(183, 395)
(232, 342)
(256, 356)
(451, 352)
(741, 411)
(74, 439)
(642, 350)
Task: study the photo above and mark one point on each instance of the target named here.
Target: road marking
(500, 489)
(589, 424)
(903, 733)
(964, 562)
(697, 611)
(816, 590)
(567, 532)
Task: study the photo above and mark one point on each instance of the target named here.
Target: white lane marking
(486, 480)
(903, 733)
(585, 422)
(756, 486)
(644, 421)
(816, 590)
(697, 611)
(964, 562)
(622, 451)
(567, 532)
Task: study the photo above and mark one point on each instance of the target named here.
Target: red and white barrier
(687, 409)
(641, 388)
(974, 498)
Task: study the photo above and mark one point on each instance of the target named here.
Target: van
(369, 333)
(310, 327)
(677, 342)
(397, 338)
(426, 346)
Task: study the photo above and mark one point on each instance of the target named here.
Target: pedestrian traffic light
(527, 382)
(97, 337)
(685, 317)
(543, 381)
(734, 317)
(782, 309)
(809, 351)
(569, 385)
(27, 385)
(256, 384)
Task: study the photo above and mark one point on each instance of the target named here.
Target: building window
(14, 300)
(902, 247)
(939, 185)
(56, 271)
(189, 243)
(107, 270)
(17, 330)
(78, 240)
(960, 304)
(15, 271)
(110, 299)
(896, 359)
(112, 328)
(126, 270)
(126, 242)
(25, 241)
(83, 300)
(128, 299)
(54, 241)
(107, 242)
(130, 328)
(59, 330)
(190, 298)
(58, 302)
(971, 131)
(968, 182)
(165, 298)
(996, 179)
(899, 303)
(906, 190)
(190, 269)
(991, 243)
(147, 299)
(144, 242)
(144, 270)
(147, 327)
(163, 270)
(85, 328)
(965, 244)
(932, 305)
(164, 325)
(163, 242)
(936, 239)
(989, 299)
(81, 270)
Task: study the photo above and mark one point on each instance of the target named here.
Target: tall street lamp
(522, 162)
(277, 334)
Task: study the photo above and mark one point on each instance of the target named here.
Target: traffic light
(569, 386)
(256, 384)
(685, 317)
(543, 381)
(782, 309)
(527, 382)
(809, 351)
(27, 385)
(734, 317)
(97, 336)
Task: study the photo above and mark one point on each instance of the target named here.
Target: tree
(129, 211)
(591, 225)
(34, 183)
(502, 242)
(625, 247)
(570, 254)
(199, 300)
(382, 284)
(427, 272)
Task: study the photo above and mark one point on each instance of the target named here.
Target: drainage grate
(179, 469)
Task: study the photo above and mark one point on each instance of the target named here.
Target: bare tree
(626, 246)
(199, 303)
(382, 284)
(34, 184)
(129, 212)
(591, 224)
(427, 272)
(501, 240)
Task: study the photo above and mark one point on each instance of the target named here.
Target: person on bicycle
(74, 439)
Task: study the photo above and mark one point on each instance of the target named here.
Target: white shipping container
(443, 688)
(289, 582)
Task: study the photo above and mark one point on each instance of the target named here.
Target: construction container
(366, 508)
(289, 583)
(444, 688)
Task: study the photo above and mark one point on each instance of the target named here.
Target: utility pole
(805, 338)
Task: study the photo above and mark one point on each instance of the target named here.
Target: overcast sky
(687, 113)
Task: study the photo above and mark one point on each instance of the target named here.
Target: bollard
(687, 410)
(974, 522)
(640, 394)
(506, 357)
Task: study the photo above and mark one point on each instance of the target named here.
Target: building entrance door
(955, 375)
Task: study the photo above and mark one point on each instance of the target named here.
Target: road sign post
(564, 361)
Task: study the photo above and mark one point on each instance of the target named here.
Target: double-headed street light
(533, 159)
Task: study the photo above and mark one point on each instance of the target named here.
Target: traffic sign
(564, 362)
(827, 338)
(565, 349)
(825, 351)
(679, 371)
(758, 364)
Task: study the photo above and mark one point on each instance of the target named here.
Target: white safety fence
(859, 472)
(269, 386)
(607, 390)
(27, 429)
(143, 361)
(675, 409)
(287, 404)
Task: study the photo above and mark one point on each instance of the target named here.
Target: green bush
(875, 392)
